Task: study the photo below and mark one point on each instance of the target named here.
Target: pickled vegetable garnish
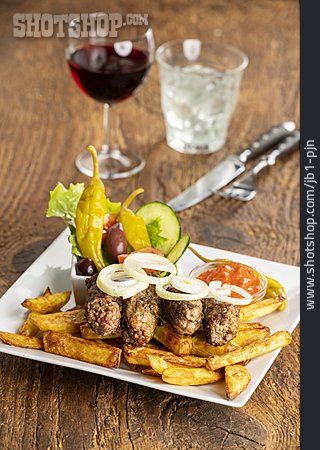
(90, 214)
(115, 242)
(134, 227)
(275, 289)
(63, 203)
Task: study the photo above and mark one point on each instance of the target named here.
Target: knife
(230, 168)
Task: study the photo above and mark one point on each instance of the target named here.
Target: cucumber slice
(162, 223)
(179, 249)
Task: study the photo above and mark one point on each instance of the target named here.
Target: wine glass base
(113, 164)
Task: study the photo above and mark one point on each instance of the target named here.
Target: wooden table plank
(46, 122)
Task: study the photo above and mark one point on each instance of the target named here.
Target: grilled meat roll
(220, 321)
(185, 317)
(140, 317)
(103, 311)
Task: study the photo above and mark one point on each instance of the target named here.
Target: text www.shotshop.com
(310, 183)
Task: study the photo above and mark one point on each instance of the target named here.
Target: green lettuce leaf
(154, 231)
(73, 241)
(63, 203)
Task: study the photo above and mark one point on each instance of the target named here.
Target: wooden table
(45, 122)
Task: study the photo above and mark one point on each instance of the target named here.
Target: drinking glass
(200, 84)
(110, 70)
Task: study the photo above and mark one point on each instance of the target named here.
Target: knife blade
(230, 168)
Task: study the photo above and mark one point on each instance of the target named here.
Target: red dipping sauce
(234, 273)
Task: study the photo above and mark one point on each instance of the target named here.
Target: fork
(244, 188)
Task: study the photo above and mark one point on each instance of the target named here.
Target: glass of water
(200, 84)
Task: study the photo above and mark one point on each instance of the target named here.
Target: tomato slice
(150, 250)
(122, 257)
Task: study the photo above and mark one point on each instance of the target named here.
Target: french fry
(48, 303)
(47, 291)
(158, 364)
(276, 340)
(200, 347)
(250, 326)
(155, 344)
(237, 379)
(74, 308)
(29, 329)
(88, 333)
(260, 309)
(139, 355)
(62, 322)
(93, 352)
(183, 376)
(177, 343)
(244, 336)
(244, 363)
(150, 372)
(21, 341)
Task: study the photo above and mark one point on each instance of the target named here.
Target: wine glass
(110, 70)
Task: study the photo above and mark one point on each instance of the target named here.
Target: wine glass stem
(110, 129)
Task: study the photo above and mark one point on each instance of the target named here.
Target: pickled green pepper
(90, 214)
(134, 227)
(275, 289)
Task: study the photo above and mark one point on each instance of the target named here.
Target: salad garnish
(63, 203)
(134, 227)
(90, 214)
(103, 232)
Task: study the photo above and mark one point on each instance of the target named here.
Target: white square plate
(52, 269)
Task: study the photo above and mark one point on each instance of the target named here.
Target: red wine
(105, 75)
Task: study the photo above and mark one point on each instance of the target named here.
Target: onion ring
(135, 263)
(190, 289)
(113, 280)
(222, 293)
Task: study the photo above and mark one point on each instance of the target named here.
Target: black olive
(86, 267)
(115, 242)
